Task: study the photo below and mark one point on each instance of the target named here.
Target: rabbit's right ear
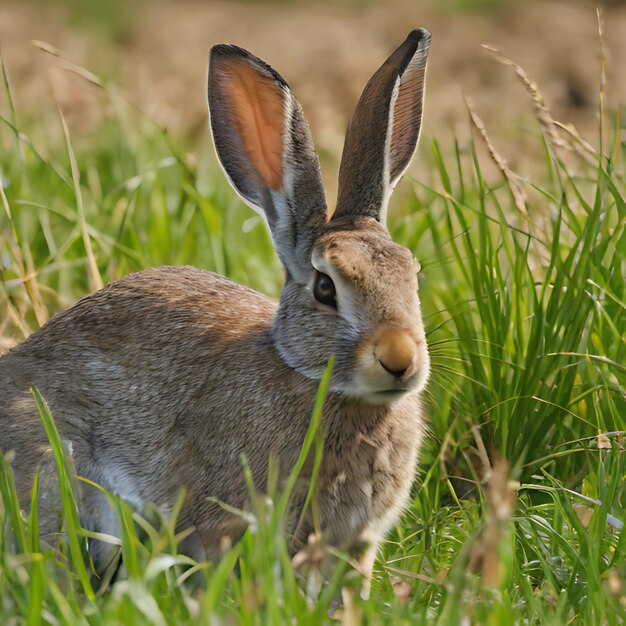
(384, 131)
(264, 145)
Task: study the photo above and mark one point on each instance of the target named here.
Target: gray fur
(166, 377)
(364, 179)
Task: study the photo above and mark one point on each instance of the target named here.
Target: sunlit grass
(525, 313)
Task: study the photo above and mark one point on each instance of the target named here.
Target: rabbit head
(350, 291)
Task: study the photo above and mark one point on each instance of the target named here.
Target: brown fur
(166, 377)
(152, 404)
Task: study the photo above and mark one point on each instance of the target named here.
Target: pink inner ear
(257, 108)
(407, 116)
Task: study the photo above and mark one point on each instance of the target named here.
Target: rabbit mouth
(384, 396)
(374, 390)
(389, 394)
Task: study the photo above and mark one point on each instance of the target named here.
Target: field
(517, 514)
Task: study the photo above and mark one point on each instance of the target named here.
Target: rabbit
(165, 377)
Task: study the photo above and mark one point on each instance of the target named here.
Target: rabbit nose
(397, 373)
(396, 351)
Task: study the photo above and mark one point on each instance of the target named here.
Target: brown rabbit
(164, 378)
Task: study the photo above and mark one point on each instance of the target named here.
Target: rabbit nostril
(398, 373)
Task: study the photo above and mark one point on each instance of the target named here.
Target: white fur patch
(119, 480)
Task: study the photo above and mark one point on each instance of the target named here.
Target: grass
(517, 513)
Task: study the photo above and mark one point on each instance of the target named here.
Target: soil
(156, 52)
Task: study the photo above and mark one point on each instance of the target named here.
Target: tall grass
(517, 514)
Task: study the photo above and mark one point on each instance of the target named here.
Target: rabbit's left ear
(264, 145)
(384, 131)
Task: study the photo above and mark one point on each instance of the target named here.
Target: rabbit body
(166, 377)
(130, 376)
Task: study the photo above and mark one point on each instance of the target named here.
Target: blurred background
(155, 51)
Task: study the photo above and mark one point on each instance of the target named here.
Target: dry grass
(157, 53)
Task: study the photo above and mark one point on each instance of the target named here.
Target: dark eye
(324, 290)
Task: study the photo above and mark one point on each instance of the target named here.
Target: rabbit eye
(324, 290)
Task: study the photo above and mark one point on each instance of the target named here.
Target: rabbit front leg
(314, 552)
(365, 561)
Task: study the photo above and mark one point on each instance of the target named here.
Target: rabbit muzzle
(389, 364)
(396, 352)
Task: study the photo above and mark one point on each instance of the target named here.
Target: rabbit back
(160, 380)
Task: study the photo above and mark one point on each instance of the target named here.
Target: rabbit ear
(264, 145)
(384, 130)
